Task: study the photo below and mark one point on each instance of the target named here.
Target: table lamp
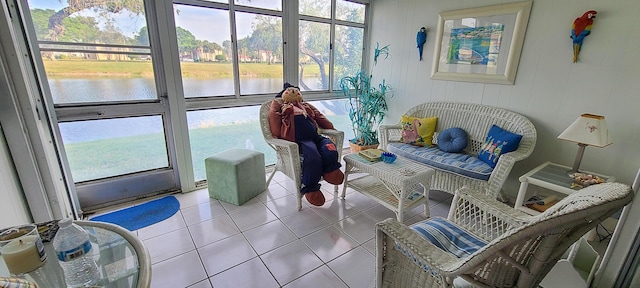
(588, 129)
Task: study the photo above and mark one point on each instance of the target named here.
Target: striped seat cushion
(449, 237)
(458, 163)
(446, 236)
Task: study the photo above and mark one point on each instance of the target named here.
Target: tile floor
(266, 242)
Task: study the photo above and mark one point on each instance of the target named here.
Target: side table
(392, 185)
(549, 176)
(121, 256)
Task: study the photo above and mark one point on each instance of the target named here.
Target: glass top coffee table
(394, 185)
(122, 259)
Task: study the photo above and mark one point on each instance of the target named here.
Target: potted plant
(367, 105)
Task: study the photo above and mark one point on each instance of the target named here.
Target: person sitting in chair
(292, 119)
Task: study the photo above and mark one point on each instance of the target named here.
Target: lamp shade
(588, 129)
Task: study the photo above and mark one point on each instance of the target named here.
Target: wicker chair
(476, 120)
(288, 157)
(520, 249)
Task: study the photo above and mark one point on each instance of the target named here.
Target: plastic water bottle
(73, 248)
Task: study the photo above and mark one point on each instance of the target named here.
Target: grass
(105, 158)
(101, 68)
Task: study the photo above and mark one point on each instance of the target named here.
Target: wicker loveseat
(476, 120)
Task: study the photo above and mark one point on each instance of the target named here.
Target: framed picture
(481, 44)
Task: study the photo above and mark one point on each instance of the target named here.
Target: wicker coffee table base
(394, 186)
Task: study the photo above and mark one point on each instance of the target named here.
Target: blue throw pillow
(498, 142)
(452, 140)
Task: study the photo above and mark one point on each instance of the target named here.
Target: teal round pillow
(452, 140)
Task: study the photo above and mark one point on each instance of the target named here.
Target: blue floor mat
(143, 215)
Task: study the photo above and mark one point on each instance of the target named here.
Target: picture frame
(481, 44)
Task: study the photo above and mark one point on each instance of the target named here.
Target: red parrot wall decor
(581, 28)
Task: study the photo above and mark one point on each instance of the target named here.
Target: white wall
(549, 89)
(13, 207)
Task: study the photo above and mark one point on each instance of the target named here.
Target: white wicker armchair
(288, 157)
(521, 249)
(476, 120)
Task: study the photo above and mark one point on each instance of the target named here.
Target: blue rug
(143, 215)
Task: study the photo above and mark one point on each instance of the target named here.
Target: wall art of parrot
(581, 28)
(421, 38)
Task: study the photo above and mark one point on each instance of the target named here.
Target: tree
(315, 8)
(104, 7)
(314, 43)
(266, 36)
(142, 37)
(348, 54)
(80, 29)
(187, 43)
(243, 49)
(40, 19)
(226, 45)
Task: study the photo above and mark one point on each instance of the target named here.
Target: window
(91, 55)
(349, 11)
(318, 65)
(259, 53)
(113, 94)
(104, 148)
(266, 4)
(314, 55)
(348, 52)
(102, 83)
(212, 131)
(205, 53)
(206, 48)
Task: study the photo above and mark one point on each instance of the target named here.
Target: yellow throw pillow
(418, 131)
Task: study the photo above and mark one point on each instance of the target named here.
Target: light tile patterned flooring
(266, 242)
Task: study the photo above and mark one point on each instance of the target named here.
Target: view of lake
(74, 90)
(126, 145)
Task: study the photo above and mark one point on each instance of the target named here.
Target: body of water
(127, 89)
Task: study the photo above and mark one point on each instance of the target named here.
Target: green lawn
(101, 68)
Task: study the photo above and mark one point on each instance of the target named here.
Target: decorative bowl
(388, 157)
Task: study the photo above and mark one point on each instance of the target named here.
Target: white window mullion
(332, 41)
(366, 39)
(234, 50)
(291, 42)
(167, 65)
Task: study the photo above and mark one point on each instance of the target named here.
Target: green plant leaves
(367, 104)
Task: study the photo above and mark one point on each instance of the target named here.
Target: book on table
(541, 204)
(371, 154)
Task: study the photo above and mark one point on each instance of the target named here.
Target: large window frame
(290, 18)
(290, 22)
(162, 34)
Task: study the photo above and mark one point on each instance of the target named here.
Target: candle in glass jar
(22, 255)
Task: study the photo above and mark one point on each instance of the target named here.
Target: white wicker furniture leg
(391, 185)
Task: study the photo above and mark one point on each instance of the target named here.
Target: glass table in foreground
(122, 258)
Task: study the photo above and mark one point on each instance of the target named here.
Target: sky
(203, 23)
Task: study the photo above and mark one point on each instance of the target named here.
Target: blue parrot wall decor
(581, 28)
(421, 38)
